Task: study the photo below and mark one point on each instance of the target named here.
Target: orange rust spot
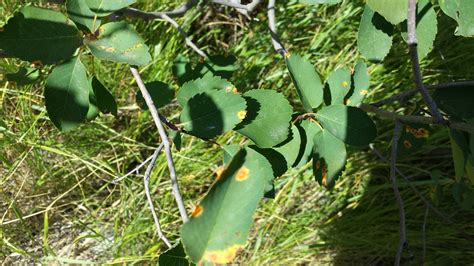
(422, 133)
(222, 256)
(363, 92)
(324, 174)
(219, 173)
(37, 63)
(242, 174)
(197, 211)
(110, 50)
(345, 84)
(242, 114)
(318, 164)
(407, 144)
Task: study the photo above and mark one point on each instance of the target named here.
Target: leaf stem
(277, 45)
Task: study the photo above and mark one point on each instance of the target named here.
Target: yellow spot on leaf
(407, 144)
(138, 45)
(287, 55)
(345, 84)
(324, 174)
(242, 114)
(348, 101)
(110, 50)
(364, 92)
(231, 89)
(242, 174)
(102, 47)
(219, 172)
(222, 256)
(197, 211)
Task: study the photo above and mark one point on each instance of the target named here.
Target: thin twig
(178, 12)
(118, 179)
(277, 45)
(184, 35)
(393, 179)
(248, 8)
(417, 192)
(146, 182)
(407, 94)
(415, 119)
(415, 62)
(164, 138)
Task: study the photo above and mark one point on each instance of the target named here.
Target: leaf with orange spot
(339, 85)
(122, 44)
(361, 84)
(222, 228)
(329, 158)
(412, 138)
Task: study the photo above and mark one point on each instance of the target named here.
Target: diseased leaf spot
(242, 174)
(318, 164)
(242, 114)
(197, 211)
(345, 84)
(110, 50)
(222, 256)
(137, 46)
(219, 173)
(363, 92)
(324, 174)
(37, 63)
(407, 144)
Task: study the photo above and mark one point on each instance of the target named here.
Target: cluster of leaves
(382, 17)
(72, 95)
(279, 138)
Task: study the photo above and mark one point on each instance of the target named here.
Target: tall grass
(58, 202)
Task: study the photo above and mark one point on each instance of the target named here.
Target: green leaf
(204, 84)
(218, 65)
(310, 129)
(339, 84)
(315, 2)
(174, 256)
(267, 122)
(67, 94)
(460, 150)
(329, 158)
(456, 102)
(106, 7)
(361, 84)
(119, 42)
(79, 12)
(211, 113)
(290, 149)
(182, 70)
(160, 92)
(220, 224)
(176, 137)
(306, 80)
(105, 101)
(37, 34)
(461, 11)
(394, 11)
(349, 124)
(375, 36)
(426, 28)
(24, 76)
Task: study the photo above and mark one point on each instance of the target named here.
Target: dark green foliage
(329, 158)
(160, 92)
(174, 256)
(207, 83)
(24, 76)
(456, 102)
(51, 36)
(67, 94)
(361, 84)
(104, 101)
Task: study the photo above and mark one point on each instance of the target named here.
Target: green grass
(60, 205)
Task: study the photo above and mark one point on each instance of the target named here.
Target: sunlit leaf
(267, 122)
(375, 36)
(461, 11)
(349, 124)
(306, 80)
(106, 7)
(119, 42)
(329, 158)
(220, 223)
(394, 11)
(207, 83)
(361, 84)
(79, 12)
(339, 84)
